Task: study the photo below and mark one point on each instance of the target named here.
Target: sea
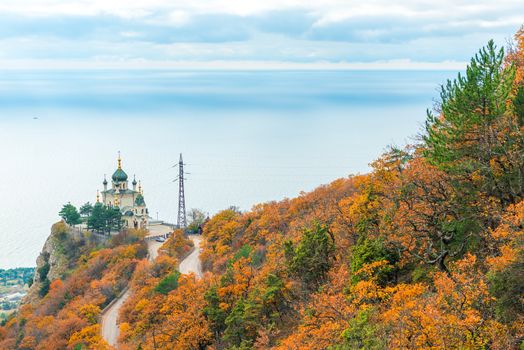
(246, 137)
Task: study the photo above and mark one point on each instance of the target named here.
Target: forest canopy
(426, 251)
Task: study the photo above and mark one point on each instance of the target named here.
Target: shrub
(169, 283)
(311, 259)
(367, 251)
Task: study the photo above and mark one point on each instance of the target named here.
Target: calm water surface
(247, 137)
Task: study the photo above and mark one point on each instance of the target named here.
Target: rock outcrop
(50, 264)
(59, 254)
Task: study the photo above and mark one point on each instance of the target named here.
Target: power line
(181, 220)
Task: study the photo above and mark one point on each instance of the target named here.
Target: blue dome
(119, 176)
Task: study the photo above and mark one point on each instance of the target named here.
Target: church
(130, 201)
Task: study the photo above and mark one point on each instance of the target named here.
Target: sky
(255, 33)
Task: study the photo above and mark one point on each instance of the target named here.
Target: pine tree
(86, 209)
(476, 137)
(312, 258)
(70, 214)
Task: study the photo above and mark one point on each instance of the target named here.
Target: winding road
(192, 263)
(109, 319)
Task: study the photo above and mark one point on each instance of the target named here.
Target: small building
(130, 201)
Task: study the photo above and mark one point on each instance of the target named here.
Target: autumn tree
(429, 222)
(88, 338)
(506, 275)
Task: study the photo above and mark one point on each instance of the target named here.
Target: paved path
(192, 262)
(109, 321)
(152, 245)
(110, 330)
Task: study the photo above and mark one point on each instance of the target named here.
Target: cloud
(178, 18)
(217, 28)
(330, 31)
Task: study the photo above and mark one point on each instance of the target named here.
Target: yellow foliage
(90, 338)
(90, 313)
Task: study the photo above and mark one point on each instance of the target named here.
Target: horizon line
(405, 64)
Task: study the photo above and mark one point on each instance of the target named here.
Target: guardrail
(108, 306)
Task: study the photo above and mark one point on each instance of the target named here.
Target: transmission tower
(181, 221)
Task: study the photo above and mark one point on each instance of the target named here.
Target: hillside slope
(78, 274)
(424, 252)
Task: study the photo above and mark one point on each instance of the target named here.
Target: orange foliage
(68, 314)
(516, 56)
(177, 245)
(454, 314)
(154, 320)
(413, 268)
(508, 238)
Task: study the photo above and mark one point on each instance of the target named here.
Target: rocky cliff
(58, 256)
